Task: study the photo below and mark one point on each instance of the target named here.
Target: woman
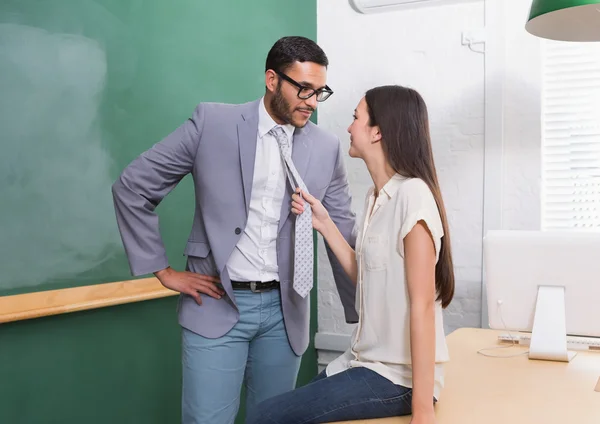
(404, 274)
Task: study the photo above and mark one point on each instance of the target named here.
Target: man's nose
(312, 102)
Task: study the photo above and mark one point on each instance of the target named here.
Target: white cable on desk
(515, 341)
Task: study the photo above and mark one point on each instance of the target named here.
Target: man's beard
(282, 110)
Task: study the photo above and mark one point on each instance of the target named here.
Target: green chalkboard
(118, 365)
(111, 365)
(86, 86)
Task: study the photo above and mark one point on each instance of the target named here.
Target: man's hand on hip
(190, 283)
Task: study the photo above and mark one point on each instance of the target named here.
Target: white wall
(521, 70)
(421, 48)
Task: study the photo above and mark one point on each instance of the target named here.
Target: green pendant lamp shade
(565, 20)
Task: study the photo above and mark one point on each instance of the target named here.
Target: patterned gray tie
(303, 241)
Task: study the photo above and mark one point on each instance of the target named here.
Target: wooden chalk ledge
(53, 302)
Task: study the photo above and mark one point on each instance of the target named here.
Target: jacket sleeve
(338, 202)
(141, 187)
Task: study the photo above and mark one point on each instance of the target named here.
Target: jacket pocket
(197, 249)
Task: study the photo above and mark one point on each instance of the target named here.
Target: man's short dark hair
(288, 50)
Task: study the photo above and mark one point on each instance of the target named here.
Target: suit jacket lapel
(301, 149)
(247, 131)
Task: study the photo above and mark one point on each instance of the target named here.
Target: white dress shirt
(255, 256)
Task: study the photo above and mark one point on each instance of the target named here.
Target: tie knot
(279, 135)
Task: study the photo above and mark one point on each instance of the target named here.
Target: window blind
(570, 136)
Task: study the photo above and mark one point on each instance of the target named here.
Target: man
(244, 304)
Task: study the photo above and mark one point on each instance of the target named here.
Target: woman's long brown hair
(403, 121)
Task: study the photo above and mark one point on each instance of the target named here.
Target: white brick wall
(420, 48)
(521, 186)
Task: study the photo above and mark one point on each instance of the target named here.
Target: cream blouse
(381, 339)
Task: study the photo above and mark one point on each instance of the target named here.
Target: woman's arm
(324, 225)
(420, 260)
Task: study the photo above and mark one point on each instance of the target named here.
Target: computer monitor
(546, 283)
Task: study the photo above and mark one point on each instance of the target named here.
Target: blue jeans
(354, 394)
(255, 352)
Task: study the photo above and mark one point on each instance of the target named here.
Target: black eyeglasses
(305, 93)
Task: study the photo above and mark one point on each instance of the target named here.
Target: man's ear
(271, 80)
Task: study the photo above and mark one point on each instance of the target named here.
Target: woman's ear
(375, 135)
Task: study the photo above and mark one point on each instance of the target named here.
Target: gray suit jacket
(217, 145)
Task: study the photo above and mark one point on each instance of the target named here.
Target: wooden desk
(517, 390)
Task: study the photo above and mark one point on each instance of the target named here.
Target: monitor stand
(549, 333)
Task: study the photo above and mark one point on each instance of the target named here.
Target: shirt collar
(391, 187)
(266, 123)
